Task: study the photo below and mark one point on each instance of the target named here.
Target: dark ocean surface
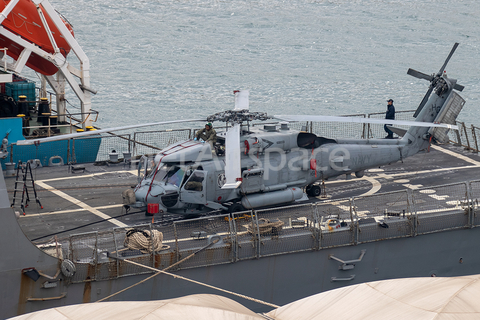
(166, 60)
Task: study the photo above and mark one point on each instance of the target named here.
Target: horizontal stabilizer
(398, 131)
(458, 87)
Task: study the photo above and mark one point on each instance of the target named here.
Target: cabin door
(194, 189)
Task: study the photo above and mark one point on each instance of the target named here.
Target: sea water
(181, 59)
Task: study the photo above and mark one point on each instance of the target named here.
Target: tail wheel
(313, 190)
(236, 207)
(307, 189)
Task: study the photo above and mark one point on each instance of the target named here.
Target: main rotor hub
(237, 116)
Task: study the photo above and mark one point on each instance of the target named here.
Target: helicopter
(251, 167)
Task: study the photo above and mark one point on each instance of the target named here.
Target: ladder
(27, 177)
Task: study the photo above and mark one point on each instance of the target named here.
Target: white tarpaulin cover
(412, 298)
(200, 306)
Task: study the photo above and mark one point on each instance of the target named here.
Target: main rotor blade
(241, 100)
(424, 101)
(420, 75)
(89, 133)
(448, 58)
(364, 120)
(233, 170)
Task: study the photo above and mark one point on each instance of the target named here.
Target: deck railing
(138, 143)
(276, 231)
(150, 142)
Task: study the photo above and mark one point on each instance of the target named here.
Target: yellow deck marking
(80, 203)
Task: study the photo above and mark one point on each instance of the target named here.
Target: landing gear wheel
(313, 190)
(307, 189)
(236, 207)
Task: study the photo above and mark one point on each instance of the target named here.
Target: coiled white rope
(144, 241)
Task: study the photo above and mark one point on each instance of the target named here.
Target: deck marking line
(427, 191)
(375, 186)
(412, 186)
(401, 174)
(69, 211)
(437, 197)
(344, 208)
(133, 172)
(80, 204)
(456, 155)
(412, 173)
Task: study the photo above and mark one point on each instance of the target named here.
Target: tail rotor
(437, 81)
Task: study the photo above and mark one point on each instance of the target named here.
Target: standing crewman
(389, 115)
(208, 134)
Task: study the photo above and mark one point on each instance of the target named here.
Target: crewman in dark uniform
(389, 115)
(207, 134)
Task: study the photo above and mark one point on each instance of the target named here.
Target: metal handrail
(464, 136)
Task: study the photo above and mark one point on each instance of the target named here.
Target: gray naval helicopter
(251, 167)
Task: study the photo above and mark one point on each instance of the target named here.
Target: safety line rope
(156, 274)
(158, 271)
(204, 284)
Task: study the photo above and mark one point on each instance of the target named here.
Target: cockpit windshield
(175, 176)
(169, 174)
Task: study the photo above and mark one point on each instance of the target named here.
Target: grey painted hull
(277, 279)
(285, 278)
(278, 275)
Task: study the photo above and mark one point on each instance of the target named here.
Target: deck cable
(84, 225)
(158, 271)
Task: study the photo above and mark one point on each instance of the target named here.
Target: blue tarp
(85, 149)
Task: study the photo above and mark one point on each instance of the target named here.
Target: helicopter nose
(147, 191)
(156, 191)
